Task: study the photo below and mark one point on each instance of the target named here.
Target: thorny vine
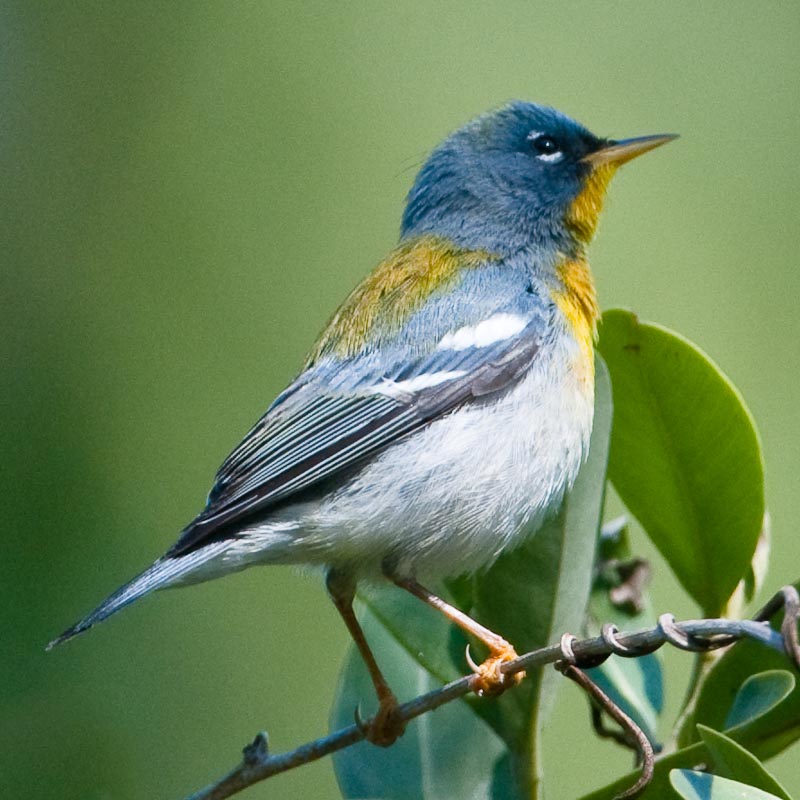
(570, 657)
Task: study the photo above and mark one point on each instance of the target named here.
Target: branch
(695, 635)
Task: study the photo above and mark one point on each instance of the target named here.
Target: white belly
(450, 498)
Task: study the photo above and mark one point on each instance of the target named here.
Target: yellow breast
(576, 297)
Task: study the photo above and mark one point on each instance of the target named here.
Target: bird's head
(523, 175)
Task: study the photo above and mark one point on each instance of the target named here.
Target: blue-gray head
(521, 176)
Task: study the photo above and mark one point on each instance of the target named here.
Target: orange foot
(386, 726)
(489, 681)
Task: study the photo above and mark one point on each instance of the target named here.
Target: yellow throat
(586, 207)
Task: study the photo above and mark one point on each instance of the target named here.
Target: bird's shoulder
(421, 272)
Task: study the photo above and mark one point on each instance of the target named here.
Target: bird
(446, 408)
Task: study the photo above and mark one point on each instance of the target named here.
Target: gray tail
(164, 572)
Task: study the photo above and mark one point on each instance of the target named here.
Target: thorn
(608, 633)
(257, 751)
(567, 653)
(673, 634)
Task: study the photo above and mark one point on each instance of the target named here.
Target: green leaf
(446, 753)
(692, 785)
(770, 733)
(685, 456)
(759, 694)
(619, 596)
(540, 590)
(731, 760)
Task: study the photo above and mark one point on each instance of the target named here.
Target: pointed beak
(620, 152)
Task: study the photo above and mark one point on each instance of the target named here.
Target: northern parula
(447, 406)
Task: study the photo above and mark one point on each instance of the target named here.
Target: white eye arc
(551, 157)
(545, 147)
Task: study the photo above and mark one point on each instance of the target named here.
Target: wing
(313, 433)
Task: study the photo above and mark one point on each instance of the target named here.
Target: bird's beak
(620, 152)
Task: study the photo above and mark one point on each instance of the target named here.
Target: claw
(472, 665)
(359, 720)
(386, 727)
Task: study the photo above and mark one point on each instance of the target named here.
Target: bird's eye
(545, 147)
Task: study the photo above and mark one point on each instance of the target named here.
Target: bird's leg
(386, 727)
(489, 680)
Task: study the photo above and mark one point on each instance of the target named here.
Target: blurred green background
(187, 192)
